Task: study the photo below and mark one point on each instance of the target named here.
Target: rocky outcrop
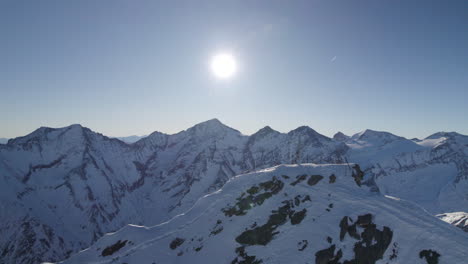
(72, 179)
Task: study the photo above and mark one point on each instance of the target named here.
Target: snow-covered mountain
(432, 172)
(289, 214)
(3, 140)
(62, 189)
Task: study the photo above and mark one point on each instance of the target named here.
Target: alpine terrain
(63, 189)
(289, 214)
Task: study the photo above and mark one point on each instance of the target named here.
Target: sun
(223, 65)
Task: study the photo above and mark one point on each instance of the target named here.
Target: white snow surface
(413, 229)
(62, 189)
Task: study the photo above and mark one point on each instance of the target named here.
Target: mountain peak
(302, 129)
(340, 137)
(47, 133)
(265, 130)
(212, 123)
(444, 134)
(211, 127)
(373, 134)
(306, 130)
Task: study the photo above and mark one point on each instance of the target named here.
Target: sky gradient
(133, 67)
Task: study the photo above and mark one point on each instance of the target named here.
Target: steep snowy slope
(56, 183)
(432, 172)
(289, 214)
(64, 188)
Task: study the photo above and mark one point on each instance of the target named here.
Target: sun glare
(223, 65)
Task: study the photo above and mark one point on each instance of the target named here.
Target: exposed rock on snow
(64, 188)
(276, 221)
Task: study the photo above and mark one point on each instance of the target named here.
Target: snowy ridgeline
(62, 189)
(289, 214)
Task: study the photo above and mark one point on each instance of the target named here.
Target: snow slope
(432, 172)
(62, 189)
(289, 214)
(67, 187)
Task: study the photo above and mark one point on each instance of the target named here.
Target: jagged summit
(216, 125)
(305, 130)
(70, 137)
(48, 133)
(267, 130)
(74, 179)
(445, 134)
(339, 136)
(210, 127)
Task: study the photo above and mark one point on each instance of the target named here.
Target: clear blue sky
(133, 67)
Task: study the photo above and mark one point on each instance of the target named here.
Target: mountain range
(62, 189)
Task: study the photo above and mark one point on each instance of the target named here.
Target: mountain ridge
(214, 122)
(61, 181)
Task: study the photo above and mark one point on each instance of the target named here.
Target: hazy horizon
(131, 68)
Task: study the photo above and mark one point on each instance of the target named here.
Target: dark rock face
(328, 256)
(370, 247)
(314, 179)
(394, 254)
(346, 228)
(218, 228)
(296, 218)
(243, 258)
(372, 252)
(358, 174)
(176, 243)
(256, 196)
(332, 178)
(299, 179)
(263, 234)
(431, 256)
(113, 248)
(302, 245)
